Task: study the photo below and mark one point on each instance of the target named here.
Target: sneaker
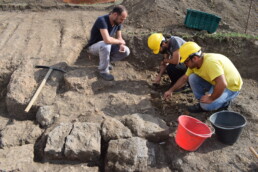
(107, 76)
(225, 107)
(195, 108)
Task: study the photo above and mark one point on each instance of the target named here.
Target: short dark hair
(118, 9)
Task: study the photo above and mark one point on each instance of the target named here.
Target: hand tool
(50, 69)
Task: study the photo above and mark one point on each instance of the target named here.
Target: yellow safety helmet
(154, 42)
(188, 49)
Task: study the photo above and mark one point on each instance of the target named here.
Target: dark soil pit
(237, 156)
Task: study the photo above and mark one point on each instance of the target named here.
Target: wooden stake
(250, 7)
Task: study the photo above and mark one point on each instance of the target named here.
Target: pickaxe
(50, 69)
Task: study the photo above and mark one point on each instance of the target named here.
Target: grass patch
(218, 35)
(232, 35)
(187, 36)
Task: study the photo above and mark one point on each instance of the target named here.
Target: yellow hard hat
(187, 49)
(154, 42)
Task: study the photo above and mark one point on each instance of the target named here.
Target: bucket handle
(206, 135)
(211, 127)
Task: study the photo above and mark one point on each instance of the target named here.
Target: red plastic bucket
(191, 133)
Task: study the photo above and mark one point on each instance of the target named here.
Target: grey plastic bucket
(228, 126)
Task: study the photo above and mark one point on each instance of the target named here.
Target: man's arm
(119, 35)
(180, 83)
(220, 85)
(162, 69)
(175, 58)
(110, 40)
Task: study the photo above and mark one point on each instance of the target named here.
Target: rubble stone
(56, 140)
(113, 129)
(83, 143)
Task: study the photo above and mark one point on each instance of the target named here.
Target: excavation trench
(141, 67)
(127, 120)
(84, 97)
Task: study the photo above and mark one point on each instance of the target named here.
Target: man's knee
(207, 107)
(212, 106)
(192, 78)
(99, 48)
(117, 56)
(127, 51)
(105, 48)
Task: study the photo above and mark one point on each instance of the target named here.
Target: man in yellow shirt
(214, 79)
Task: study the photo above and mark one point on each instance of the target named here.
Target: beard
(116, 22)
(164, 50)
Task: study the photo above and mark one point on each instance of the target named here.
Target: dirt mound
(160, 15)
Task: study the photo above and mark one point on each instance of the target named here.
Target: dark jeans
(176, 71)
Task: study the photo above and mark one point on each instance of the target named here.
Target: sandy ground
(53, 36)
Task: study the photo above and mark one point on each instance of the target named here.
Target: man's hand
(206, 99)
(157, 80)
(166, 60)
(179, 83)
(122, 48)
(122, 42)
(167, 95)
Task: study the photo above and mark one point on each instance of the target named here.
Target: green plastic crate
(201, 20)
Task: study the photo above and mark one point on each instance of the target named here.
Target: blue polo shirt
(102, 22)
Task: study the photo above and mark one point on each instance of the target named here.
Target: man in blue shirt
(106, 40)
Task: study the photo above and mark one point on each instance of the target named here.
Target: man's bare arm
(220, 85)
(180, 83)
(119, 35)
(108, 39)
(175, 58)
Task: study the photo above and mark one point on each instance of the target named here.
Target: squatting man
(213, 78)
(169, 47)
(106, 40)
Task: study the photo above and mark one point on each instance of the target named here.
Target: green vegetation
(232, 35)
(200, 34)
(218, 35)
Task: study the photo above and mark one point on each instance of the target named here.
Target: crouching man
(171, 59)
(106, 40)
(213, 78)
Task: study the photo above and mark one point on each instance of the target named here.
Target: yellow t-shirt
(215, 65)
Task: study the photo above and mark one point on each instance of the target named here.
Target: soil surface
(51, 32)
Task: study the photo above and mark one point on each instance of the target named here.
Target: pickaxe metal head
(50, 67)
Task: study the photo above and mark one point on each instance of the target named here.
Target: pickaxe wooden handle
(38, 90)
(253, 151)
(41, 85)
